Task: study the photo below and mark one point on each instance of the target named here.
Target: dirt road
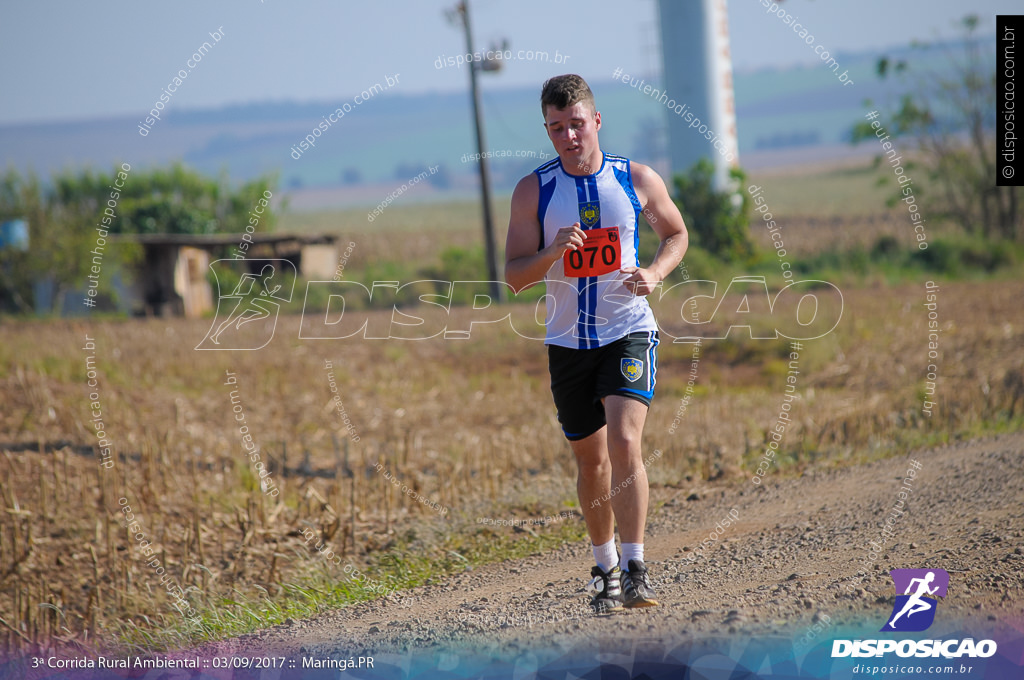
(791, 562)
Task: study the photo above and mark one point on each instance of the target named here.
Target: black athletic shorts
(580, 378)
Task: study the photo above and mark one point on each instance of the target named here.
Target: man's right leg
(583, 423)
(593, 484)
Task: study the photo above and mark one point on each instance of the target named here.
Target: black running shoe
(607, 595)
(636, 586)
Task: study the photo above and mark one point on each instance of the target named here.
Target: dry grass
(467, 424)
(849, 189)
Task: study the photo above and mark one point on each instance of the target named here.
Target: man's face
(573, 131)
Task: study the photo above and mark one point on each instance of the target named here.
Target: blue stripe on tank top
(547, 191)
(582, 317)
(592, 281)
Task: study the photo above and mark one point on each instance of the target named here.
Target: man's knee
(624, 441)
(626, 419)
(593, 466)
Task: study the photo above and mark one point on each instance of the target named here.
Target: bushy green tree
(21, 198)
(63, 220)
(172, 200)
(61, 235)
(719, 221)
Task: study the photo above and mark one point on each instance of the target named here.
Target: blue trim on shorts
(649, 395)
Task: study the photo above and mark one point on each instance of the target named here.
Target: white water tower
(697, 71)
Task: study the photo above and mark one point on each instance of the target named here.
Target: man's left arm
(664, 217)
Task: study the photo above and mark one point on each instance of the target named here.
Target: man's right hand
(567, 238)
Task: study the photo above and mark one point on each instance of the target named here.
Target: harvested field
(466, 427)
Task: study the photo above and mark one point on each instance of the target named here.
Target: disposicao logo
(917, 591)
(914, 610)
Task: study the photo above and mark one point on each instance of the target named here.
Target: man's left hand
(640, 281)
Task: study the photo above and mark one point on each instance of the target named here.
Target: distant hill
(390, 138)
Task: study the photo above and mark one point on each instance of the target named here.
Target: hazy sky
(69, 59)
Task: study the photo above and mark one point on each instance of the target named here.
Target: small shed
(172, 279)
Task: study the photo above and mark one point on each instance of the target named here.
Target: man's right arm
(525, 265)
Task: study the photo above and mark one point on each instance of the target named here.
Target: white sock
(605, 555)
(631, 551)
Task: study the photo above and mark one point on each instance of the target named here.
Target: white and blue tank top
(590, 312)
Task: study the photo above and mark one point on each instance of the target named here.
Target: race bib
(601, 253)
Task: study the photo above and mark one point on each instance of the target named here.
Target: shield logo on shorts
(632, 369)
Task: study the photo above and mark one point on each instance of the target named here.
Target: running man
(915, 603)
(601, 334)
(257, 308)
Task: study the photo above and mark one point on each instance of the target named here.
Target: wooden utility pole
(497, 291)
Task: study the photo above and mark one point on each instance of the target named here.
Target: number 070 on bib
(601, 254)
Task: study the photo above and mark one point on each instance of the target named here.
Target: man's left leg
(626, 418)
